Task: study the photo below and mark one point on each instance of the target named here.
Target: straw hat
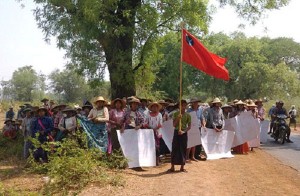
(45, 99)
(113, 102)
(226, 106)
(58, 106)
(7, 120)
(87, 106)
(42, 108)
(108, 103)
(259, 100)
(134, 100)
(162, 102)
(251, 104)
(77, 107)
(235, 101)
(169, 100)
(216, 100)
(69, 109)
(143, 100)
(27, 110)
(154, 103)
(100, 98)
(193, 100)
(183, 101)
(240, 103)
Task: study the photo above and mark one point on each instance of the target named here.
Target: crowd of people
(55, 122)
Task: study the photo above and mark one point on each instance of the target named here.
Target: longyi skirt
(179, 146)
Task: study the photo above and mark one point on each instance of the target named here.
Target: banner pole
(180, 80)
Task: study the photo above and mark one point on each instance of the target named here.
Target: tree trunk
(119, 51)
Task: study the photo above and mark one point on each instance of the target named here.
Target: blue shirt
(10, 114)
(48, 127)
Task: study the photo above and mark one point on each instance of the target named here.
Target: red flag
(195, 54)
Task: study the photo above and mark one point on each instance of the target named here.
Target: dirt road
(257, 173)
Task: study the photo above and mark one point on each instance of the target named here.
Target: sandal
(183, 170)
(170, 170)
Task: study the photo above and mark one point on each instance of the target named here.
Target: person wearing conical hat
(163, 110)
(10, 114)
(9, 129)
(216, 116)
(133, 119)
(43, 125)
(194, 153)
(261, 111)
(21, 114)
(240, 108)
(154, 121)
(253, 108)
(27, 131)
(67, 125)
(179, 143)
(99, 114)
(116, 121)
(227, 109)
(58, 114)
(143, 107)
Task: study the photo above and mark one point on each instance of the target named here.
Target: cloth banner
(194, 135)
(138, 147)
(217, 145)
(167, 132)
(245, 126)
(264, 129)
(96, 133)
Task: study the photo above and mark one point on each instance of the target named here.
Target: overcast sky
(21, 42)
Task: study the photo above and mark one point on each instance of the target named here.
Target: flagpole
(180, 80)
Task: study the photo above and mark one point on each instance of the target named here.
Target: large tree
(119, 33)
(25, 81)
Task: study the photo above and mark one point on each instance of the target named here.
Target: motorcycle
(280, 129)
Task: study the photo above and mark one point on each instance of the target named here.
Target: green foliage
(11, 149)
(72, 165)
(69, 87)
(250, 64)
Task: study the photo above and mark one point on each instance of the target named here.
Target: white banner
(264, 129)
(245, 126)
(138, 147)
(194, 137)
(167, 132)
(217, 145)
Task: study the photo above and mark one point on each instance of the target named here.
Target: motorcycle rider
(280, 110)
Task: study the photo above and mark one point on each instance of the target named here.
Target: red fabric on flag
(195, 54)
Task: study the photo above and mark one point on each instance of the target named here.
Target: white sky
(21, 42)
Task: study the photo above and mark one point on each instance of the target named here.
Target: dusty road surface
(257, 173)
(288, 153)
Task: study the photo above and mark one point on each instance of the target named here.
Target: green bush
(72, 165)
(11, 148)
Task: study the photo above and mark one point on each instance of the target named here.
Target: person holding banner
(133, 118)
(99, 116)
(179, 143)
(243, 148)
(154, 121)
(195, 108)
(216, 117)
